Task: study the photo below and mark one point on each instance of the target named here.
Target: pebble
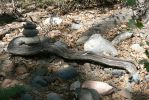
(118, 72)
(53, 96)
(21, 70)
(9, 83)
(82, 40)
(137, 48)
(39, 82)
(135, 77)
(97, 44)
(55, 20)
(67, 73)
(26, 97)
(87, 94)
(76, 26)
(75, 85)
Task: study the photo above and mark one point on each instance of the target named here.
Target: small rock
(29, 25)
(97, 44)
(115, 72)
(30, 32)
(135, 78)
(75, 26)
(121, 37)
(9, 83)
(53, 96)
(75, 85)
(67, 73)
(82, 40)
(137, 48)
(55, 20)
(101, 87)
(21, 70)
(87, 94)
(26, 97)
(118, 73)
(147, 77)
(7, 66)
(125, 93)
(39, 82)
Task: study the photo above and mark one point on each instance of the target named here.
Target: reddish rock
(8, 83)
(21, 70)
(101, 87)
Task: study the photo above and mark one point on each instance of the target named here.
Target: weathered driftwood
(28, 46)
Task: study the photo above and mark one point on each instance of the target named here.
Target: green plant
(135, 23)
(7, 93)
(145, 63)
(130, 2)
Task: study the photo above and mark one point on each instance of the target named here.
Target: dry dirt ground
(87, 71)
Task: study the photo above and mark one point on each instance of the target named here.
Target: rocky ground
(74, 29)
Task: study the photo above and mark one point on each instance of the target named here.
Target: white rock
(97, 44)
(76, 26)
(75, 85)
(53, 21)
(137, 48)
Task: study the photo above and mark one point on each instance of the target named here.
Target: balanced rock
(29, 25)
(30, 30)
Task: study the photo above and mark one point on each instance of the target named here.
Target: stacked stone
(30, 30)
